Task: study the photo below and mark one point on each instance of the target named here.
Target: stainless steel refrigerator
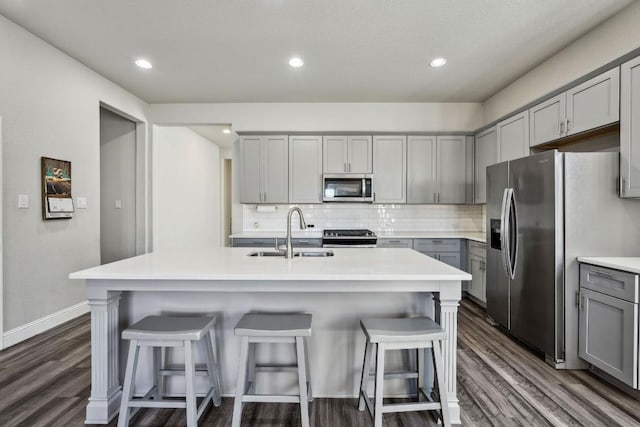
(543, 211)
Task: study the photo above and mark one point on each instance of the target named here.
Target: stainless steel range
(349, 239)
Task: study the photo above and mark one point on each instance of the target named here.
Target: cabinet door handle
(561, 127)
(567, 126)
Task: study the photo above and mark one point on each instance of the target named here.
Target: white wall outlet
(23, 201)
(118, 204)
(256, 224)
(81, 203)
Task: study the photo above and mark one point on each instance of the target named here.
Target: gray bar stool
(416, 333)
(255, 328)
(160, 332)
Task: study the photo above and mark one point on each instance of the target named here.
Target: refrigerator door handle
(503, 232)
(513, 227)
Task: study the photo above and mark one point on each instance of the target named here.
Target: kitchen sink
(295, 254)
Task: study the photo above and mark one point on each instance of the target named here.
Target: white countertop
(352, 264)
(630, 264)
(317, 234)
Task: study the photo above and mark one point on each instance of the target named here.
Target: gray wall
(117, 183)
(49, 105)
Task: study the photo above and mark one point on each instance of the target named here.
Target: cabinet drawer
(436, 245)
(618, 284)
(395, 243)
(256, 243)
(304, 243)
(477, 249)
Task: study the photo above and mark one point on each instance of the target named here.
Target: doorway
(226, 203)
(117, 187)
(1, 251)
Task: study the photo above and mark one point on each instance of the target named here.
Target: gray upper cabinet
(437, 171)
(347, 154)
(360, 149)
(513, 137)
(630, 129)
(451, 169)
(265, 169)
(594, 103)
(589, 105)
(305, 169)
(547, 120)
(486, 150)
(421, 169)
(389, 169)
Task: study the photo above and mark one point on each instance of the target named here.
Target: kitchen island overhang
(227, 282)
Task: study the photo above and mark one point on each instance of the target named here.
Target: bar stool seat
(418, 333)
(160, 332)
(256, 328)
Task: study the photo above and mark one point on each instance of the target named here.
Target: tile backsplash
(381, 218)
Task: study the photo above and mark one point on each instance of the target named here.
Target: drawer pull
(602, 274)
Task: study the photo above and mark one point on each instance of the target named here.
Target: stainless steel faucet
(303, 225)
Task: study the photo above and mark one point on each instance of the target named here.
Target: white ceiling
(214, 134)
(354, 50)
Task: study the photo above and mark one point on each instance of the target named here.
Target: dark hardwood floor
(45, 381)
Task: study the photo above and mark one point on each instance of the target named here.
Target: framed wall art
(56, 189)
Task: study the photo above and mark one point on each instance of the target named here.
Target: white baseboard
(38, 326)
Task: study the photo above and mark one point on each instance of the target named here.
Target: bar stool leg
(190, 374)
(377, 413)
(302, 382)
(442, 388)
(308, 363)
(127, 390)
(212, 368)
(240, 384)
(250, 382)
(366, 370)
(157, 376)
(420, 354)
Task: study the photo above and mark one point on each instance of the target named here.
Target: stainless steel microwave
(347, 188)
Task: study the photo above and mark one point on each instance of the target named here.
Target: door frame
(1, 248)
(143, 180)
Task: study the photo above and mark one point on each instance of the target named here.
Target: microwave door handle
(364, 187)
(503, 232)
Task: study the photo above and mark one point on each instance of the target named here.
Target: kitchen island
(336, 290)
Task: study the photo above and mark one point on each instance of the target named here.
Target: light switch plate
(81, 203)
(118, 204)
(23, 201)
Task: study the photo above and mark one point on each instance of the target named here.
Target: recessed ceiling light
(438, 62)
(296, 62)
(226, 130)
(143, 63)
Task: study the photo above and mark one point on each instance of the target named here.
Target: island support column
(105, 382)
(446, 311)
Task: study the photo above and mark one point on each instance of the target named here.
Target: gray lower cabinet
(305, 169)
(395, 243)
(608, 324)
(630, 129)
(389, 169)
(265, 169)
(477, 265)
(445, 250)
